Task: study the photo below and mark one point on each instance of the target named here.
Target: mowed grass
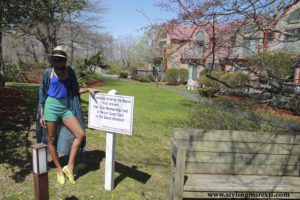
(143, 169)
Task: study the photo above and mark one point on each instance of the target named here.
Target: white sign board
(112, 113)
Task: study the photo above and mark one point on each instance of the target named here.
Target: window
(249, 28)
(250, 46)
(294, 17)
(270, 36)
(200, 35)
(162, 44)
(163, 35)
(198, 48)
(294, 35)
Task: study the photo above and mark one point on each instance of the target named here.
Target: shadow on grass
(17, 112)
(71, 198)
(90, 161)
(130, 172)
(188, 103)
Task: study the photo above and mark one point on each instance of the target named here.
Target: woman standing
(60, 103)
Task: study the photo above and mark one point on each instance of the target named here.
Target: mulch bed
(262, 108)
(34, 77)
(12, 102)
(94, 84)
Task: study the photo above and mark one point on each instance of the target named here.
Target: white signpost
(114, 114)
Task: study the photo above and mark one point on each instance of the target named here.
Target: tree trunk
(2, 77)
(34, 54)
(72, 51)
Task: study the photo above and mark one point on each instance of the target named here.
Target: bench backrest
(237, 152)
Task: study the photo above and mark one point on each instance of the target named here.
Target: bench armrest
(178, 169)
(174, 147)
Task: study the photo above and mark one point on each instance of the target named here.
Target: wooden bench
(225, 162)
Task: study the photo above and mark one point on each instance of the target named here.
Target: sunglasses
(60, 68)
(58, 59)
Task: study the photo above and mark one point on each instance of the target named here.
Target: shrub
(114, 69)
(208, 91)
(11, 71)
(172, 75)
(207, 82)
(141, 78)
(82, 78)
(152, 78)
(276, 65)
(210, 87)
(84, 71)
(183, 75)
(91, 63)
(85, 76)
(123, 74)
(27, 66)
(25, 72)
(207, 117)
(234, 79)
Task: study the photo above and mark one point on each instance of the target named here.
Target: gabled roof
(178, 32)
(186, 32)
(287, 8)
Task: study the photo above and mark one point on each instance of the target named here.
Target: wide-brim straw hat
(59, 51)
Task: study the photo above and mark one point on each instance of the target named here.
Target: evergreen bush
(183, 75)
(172, 75)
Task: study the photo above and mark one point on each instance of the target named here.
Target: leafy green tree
(12, 12)
(47, 17)
(95, 61)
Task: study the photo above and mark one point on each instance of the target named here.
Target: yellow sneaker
(61, 179)
(69, 174)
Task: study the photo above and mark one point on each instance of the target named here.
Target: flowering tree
(239, 32)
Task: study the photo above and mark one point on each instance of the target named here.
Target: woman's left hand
(93, 91)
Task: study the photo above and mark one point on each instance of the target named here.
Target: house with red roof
(189, 47)
(287, 35)
(195, 47)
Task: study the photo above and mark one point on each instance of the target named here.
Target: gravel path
(194, 97)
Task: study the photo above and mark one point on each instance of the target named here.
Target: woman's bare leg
(52, 132)
(74, 126)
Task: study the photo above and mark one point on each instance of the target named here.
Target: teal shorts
(56, 109)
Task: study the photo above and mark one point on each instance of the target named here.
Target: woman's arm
(85, 90)
(43, 96)
(42, 119)
(76, 85)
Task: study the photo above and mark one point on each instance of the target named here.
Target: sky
(129, 17)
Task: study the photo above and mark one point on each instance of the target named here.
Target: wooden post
(179, 174)
(41, 188)
(110, 156)
(40, 171)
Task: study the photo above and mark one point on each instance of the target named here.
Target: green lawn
(143, 169)
(184, 88)
(142, 160)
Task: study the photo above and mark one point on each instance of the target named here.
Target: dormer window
(200, 35)
(163, 35)
(294, 17)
